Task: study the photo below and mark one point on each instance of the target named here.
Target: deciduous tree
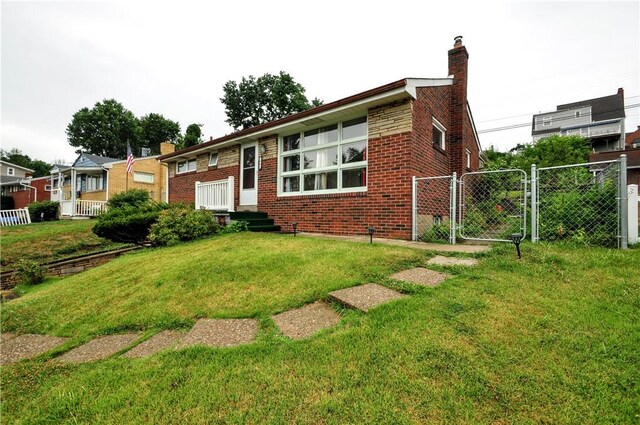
(255, 101)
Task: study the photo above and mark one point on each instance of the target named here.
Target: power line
(528, 124)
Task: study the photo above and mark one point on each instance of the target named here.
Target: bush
(128, 223)
(133, 197)
(235, 227)
(29, 272)
(181, 223)
(438, 233)
(49, 209)
(7, 203)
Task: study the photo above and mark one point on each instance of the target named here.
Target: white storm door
(249, 174)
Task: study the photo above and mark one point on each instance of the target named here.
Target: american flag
(130, 159)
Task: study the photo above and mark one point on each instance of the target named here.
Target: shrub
(235, 227)
(7, 203)
(181, 223)
(438, 233)
(29, 272)
(132, 197)
(128, 223)
(49, 209)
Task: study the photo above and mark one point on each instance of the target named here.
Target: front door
(249, 174)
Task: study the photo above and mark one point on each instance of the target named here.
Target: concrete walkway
(467, 249)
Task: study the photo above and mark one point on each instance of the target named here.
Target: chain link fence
(434, 209)
(493, 205)
(579, 203)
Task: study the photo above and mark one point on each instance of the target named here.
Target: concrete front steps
(258, 221)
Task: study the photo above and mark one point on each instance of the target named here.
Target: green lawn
(49, 241)
(552, 338)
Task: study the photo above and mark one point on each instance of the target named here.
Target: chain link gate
(493, 205)
(584, 203)
(581, 202)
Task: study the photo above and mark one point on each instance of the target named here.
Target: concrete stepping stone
(99, 348)
(421, 276)
(160, 341)
(452, 261)
(220, 333)
(365, 297)
(306, 321)
(26, 346)
(6, 337)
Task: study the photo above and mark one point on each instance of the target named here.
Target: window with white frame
(47, 188)
(142, 177)
(11, 171)
(546, 121)
(439, 133)
(468, 156)
(325, 160)
(213, 159)
(94, 183)
(184, 166)
(577, 114)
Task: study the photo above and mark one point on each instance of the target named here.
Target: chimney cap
(457, 41)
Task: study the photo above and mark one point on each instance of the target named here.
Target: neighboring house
(600, 120)
(14, 182)
(340, 167)
(633, 139)
(84, 187)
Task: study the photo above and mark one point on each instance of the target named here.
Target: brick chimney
(458, 63)
(166, 148)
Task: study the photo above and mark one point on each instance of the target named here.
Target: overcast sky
(173, 58)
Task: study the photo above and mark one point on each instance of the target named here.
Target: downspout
(73, 191)
(166, 181)
(35, 191)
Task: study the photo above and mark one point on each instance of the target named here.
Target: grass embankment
(552, 338)
(50, 241)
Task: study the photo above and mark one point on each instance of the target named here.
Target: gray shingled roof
(88, 160)
(602, 108)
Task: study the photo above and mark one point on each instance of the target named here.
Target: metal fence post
(534, 204)
(624, 208)
(414, 206)
(453, 194)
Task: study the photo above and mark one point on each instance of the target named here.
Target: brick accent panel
(390, 119)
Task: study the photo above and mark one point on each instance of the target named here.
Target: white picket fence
(216, 195)
(14, 217)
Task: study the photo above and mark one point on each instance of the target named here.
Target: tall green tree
(155, 129)
(546, 152)
(255, 101)
(192, 136)
(104, 130)
(15, 156)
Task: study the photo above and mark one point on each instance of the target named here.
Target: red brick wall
(386, 205)
(426, 159)
(458, 58)
(182, 187)
(42, 194)
(22, 198)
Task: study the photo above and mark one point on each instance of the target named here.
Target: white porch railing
(14, 217)
(217, 195)
(82, 208)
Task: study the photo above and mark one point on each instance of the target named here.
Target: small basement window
(213, 159)
(185, 166)
(439, 133)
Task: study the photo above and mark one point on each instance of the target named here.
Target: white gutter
(35, 190)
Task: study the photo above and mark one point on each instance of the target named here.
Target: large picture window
(329, 159)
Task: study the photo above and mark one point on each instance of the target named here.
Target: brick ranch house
(340, 167)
